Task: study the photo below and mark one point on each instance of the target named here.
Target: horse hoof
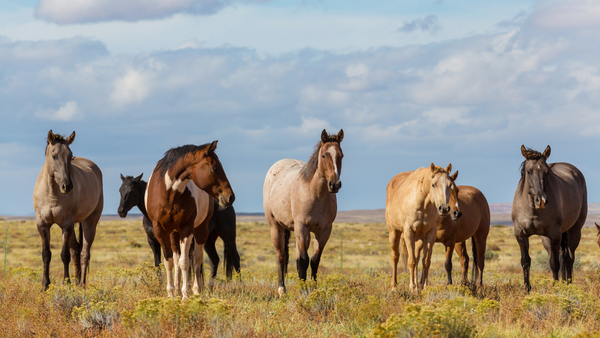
(170, 294)
(281, 291)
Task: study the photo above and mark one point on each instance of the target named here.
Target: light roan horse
(222, 224)
(475, 224)
(178, 204)
(301, 196)
(68, 190)
(551, 202)
(414, 208)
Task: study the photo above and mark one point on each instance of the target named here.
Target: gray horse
(68, 190)
(550, 201)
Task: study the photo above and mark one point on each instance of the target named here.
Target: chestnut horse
(300, 196)
(415, 205)
(551, 202)
(178, 204)
(222, 224)
(68, 190)
(475, 224)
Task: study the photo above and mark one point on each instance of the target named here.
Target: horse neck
(423, 188)
(48, 182)
(318, 185)
(140, 203)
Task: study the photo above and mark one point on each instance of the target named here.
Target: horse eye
(323, 156)
(433, 185)
(214, 168)
(54, 157)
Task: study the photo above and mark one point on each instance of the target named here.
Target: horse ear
(523, 151)
(324, 135)
(597, 226)
(71, 138)
(51, 137)
(137, 179)
(454, 176)
(340, 135)
(432, 167)
(546, 152)
(122, 178)
(449, 168)
(213, 146)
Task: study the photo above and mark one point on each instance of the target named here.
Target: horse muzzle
(122, 213)
(334, 187)
(456, 215)
(444, 210)
(66, 188)
(226, 201)
(540, 203)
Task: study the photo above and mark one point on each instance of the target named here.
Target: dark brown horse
(474, 223)
(551, 202)
(68, 190)
(301, 196)
(179, 206)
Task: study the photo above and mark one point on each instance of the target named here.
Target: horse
(301, 196)
(222, 224)
(178, 204)
(474, 223)
(415, 204)
(68, 190)
(598, 234)
(551, 202)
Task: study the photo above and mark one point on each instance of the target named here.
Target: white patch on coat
(202, 202)
(177, 185)
(146, 192)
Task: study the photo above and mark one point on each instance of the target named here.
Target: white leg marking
(198, 257)
(184, 263)
(177, 275)
(169, 269)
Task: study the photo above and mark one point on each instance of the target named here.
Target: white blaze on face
(333, 153)
(177, 185)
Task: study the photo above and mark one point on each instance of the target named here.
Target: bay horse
(68, 190)
(474, 223)
(179, 206)
(222, 224)
(415, 204)
(551, 202)
(301, 196)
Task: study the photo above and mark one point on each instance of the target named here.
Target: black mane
(174, 154)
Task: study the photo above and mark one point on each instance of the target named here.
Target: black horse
(222, 224)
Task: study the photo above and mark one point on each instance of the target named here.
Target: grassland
(126, 296)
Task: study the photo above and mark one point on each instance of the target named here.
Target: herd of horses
(187, 203)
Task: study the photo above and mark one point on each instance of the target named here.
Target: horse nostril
(231, 198)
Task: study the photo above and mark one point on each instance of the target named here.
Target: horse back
(283, 178)
(570, 189)
(394, 199)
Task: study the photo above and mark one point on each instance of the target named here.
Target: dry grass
(125, 295)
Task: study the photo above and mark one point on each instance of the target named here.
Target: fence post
(5, 251)
(342, 253)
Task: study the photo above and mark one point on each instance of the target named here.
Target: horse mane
(310, 167)
(57, 139)
(174, 154)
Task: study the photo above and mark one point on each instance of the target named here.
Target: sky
(410, 82)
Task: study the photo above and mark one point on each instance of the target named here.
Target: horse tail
(475, 269)
(80, 239)
(228, 261)
(403, 254)
(286, 246)
(564, 255)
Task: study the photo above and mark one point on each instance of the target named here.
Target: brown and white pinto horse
(179, 206)
(415, 205)
(300, 196)
(68, 190)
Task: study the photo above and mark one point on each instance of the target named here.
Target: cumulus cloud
(76, 11)
(427, 24)
(65, 113)
(567, 14)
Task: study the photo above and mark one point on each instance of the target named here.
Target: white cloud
(68, 112)
(77, 11)
(133, 87)
(568, 14)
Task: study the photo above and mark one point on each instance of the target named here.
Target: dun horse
(68, 190)
(222, 224)
(551, 202)
(415, 206)
(300, 196)
(178, 204)
(475, 224)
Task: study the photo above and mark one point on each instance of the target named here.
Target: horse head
(455, 211)
(441, 188)
(534, 173)
(208, 174)
(58, 160)
(330, 159)
(130, 194)
(598, 227)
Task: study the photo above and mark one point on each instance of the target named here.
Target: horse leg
(302, 244)
(76, 252)
(165, 242)
(395, 236)
(152, 241)
(211, 251)
(184, 262)
(175, 239)
(277, 236)
(448, 263)
(461, 250)
(572, 244)
(409, 241)
(200, 239)
(552, 246)
(44, 230)
(65, 255)
(523, 241)
(232, 257)
(88, 226)
(321, 239)
(427, 253)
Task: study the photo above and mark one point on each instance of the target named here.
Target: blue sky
(409, 82)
